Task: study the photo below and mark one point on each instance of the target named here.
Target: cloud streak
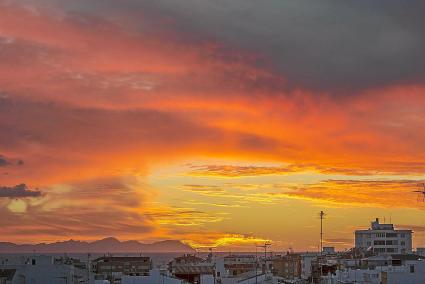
(361, 193)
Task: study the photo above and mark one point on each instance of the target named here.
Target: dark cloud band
(18, 191)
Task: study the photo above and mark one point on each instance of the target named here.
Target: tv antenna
(210, 254)
(321, 216)
(421, 192)
(265, 246)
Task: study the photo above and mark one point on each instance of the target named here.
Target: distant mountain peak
(107, 240)
(105, 245)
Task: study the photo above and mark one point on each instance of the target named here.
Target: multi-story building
(384, 239)
(306, 263)
(287, 266)
(235, 265)
(395, 269)
(113, 267)
(191, 268)
(156, 276)
(37, 269)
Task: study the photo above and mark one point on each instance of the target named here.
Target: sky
(223, 124)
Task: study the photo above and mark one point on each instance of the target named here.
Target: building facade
(420, 251)
(384, 239)
(191, 268)
(37, 269)
(235, 265)
(114, 267)
(287, 266)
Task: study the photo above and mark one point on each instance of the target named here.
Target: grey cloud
(3, 161)
(321, 44)
(331, 45)
(18, 191)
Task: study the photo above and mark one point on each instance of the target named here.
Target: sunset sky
(220, 123)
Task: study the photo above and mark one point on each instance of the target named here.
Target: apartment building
(384, 239)
(113, 267)
(287, 266)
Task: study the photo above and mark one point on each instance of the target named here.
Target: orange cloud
(233, 171)
(83, 210)
(360, 193)
(92, 209)
(224, 241)
(194, 83)
(237, 171)
(83, 98)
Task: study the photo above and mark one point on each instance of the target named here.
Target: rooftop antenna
(210, 254)
(321, 216)
(265, 246)
(421, 192)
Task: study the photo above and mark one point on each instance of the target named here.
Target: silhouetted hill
(101, 246)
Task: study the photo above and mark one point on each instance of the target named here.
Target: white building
(155, 276)
(420, 251)
(234, 265)
(354, 276)
(411, 272)
(36, 270)
(384, 239)
(306, 260)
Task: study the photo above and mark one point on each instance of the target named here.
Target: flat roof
(370, 230)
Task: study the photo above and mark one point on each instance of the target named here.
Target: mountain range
(107, 245)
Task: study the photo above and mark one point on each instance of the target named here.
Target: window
(379, 243)
(392, 235)
(379, 249)
(403, 243)
(412, 269)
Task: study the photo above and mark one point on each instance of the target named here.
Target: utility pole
(265, 246)
(110, 266)
(88, 267)
(256, 264)
(322, 215)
